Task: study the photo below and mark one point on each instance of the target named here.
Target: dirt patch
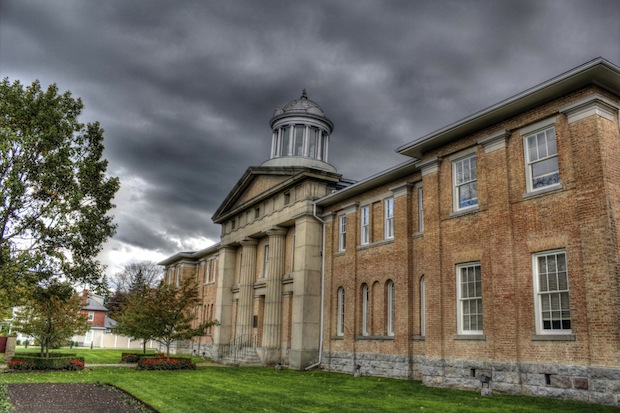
(73, 398)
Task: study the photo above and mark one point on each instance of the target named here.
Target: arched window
(390, 308)
(365, 305)
(340, 321)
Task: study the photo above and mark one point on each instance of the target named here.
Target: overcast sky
(185, 89)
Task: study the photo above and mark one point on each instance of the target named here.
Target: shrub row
(135, 357)
(55, 362)
(162, 362)
(51, 355)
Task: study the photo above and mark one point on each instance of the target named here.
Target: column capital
(249, 242)
(276, 231)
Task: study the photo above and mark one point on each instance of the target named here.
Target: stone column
(306, 312)
(246, 292)
(223, 298)
(272, 324)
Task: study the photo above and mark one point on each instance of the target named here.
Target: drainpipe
(318, 363)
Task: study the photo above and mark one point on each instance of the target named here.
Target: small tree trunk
(143, 346)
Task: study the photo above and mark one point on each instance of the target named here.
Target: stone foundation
(585, 383)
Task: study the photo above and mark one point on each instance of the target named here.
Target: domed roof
(303, 104)
(303, 107)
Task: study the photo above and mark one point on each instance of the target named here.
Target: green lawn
(239, 389)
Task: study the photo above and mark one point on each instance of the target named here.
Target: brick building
(494, 250)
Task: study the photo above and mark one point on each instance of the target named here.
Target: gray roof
(94, 305)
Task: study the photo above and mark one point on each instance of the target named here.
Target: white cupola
(300, 135)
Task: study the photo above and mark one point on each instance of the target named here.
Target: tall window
(390, 308)
(323, 151)
(365, 224)
(420, 209)
(178, 278)
(389, 218)
(365, 310)
(340, 321)
(422, 307)
(266, 261)
(552, 297)
(469, 294)
(207, 266)
(285, 139)
(313, 142)
(299, 140)
(342, 232)
(542, 159)
(91, 315)
(214, 270)
(465, 182)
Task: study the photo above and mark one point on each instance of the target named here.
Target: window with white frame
(88, 338)
(365, 224)
(91, 315)
(365, 310)
(389, 218)
(552, 303)
(422, 307)
(342, 232)
(469, 296)
(541, 157)
(390, 308)
(340, 320)
(465, 182)
(178, 277)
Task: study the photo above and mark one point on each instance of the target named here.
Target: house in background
(100, 333)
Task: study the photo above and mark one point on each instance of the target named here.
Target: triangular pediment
(253, 185)
(259, 183)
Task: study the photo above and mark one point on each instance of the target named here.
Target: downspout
(318, 363)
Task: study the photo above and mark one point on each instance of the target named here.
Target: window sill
(337, 338)
(339, 253)
(474, 337)
(375, 244)
(554, 337)
(543, 191)
(462, 212)
(418, 338)
(288, 278)
(379, 338)
(419, 234)
(260, 283)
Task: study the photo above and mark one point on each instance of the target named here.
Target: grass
(245, 389)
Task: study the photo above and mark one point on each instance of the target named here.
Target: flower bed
(161, 362)
(54, 362)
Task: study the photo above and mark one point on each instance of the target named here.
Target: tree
(164, 314)
(134, 277)
(52, 315)
(54, 192)
(138, 275)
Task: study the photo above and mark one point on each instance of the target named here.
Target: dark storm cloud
(185, 89)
